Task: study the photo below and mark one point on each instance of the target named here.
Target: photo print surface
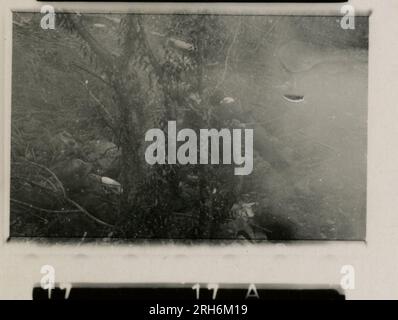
(188, 127)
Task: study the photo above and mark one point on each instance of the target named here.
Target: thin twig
(78, 206)
(228, 54)
(31, 206)
(154, 62)
(267, 33)
(318, 142)
(60, 185)
(91, 73)
(187, 215)
(103, 108)
(88, 214)
(92, 42)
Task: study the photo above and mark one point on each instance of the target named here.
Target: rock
(100, 196)
(72, 173)
(64, 145)
(241, 225)
(111, 185)
(105, 157)
(180, 44)
(227, 100)
(243, 210)
(228, 109)
(101, 185)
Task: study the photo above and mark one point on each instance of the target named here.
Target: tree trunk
(131, 145)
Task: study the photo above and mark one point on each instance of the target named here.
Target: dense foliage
(84, 95)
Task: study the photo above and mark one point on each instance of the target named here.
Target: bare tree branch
(154, 61)
(65, 197)
(228, 54)
(31, 206)
(91, 73)
(136, 31)
(103, 54)
(108, 117)
(60, 185)
(88, 214)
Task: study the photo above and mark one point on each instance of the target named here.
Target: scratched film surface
(85, 93)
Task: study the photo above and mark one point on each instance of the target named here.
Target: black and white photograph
(188, 127)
